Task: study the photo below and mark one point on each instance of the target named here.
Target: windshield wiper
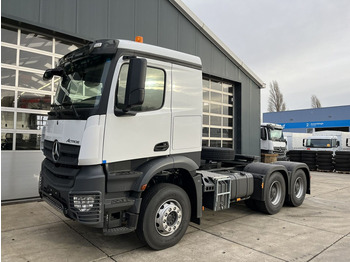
(73, 108)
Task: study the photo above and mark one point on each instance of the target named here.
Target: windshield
(276, 134)
(82, 82)
(321, 143)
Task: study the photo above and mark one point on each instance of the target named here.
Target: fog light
(84, 203)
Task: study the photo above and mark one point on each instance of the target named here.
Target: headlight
(84, 203)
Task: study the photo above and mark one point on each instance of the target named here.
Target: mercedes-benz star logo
(56, 151)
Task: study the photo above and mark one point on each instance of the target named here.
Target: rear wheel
(164, 216)
(298, 188)
(274, 194)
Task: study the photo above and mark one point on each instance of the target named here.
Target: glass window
(205, 120)
(8, 35)
(7, 98)
(6, 141)
(205, 142)
(215, 132)
(33, 81)
(33, 101)
(205, 83)
(34, 60)
(215, 121)
(227, 121)
(36, 41)
(27, 142)
(227, 110)
(8, 55)
(216, 85)
(216, 97)
(227, 133)
(205, 131)
(206, 107)
(154, 89)
(63, 47)
(8, 77)
(205, 95)
(227, 88)
(7, 120)
(227, 99)
(30, 121)
(215, 143)
(215, 109)
(227, 144)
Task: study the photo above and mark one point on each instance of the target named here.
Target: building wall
(309, 120)
(160, 22)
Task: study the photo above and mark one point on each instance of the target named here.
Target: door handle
(163, 146)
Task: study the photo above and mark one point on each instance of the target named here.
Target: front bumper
(59, 184)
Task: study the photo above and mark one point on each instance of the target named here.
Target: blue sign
(316, 124)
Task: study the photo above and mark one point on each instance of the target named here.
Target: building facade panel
(121, 19)
(61, 14)
(47, 30)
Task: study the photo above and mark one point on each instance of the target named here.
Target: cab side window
(154, 89)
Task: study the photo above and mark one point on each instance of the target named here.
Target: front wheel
(274, 194)
(164, 216)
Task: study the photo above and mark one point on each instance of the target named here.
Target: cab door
(146, 133)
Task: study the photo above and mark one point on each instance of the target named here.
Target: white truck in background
(272, 140)
(295, 140)
(328, 141)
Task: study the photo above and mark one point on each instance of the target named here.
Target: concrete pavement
(319, 230)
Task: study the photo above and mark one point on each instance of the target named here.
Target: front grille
(92, 216)
(59, 175)
(69, 154)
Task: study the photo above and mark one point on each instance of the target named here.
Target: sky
(302, 44)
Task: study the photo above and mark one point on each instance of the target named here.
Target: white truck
(272, 140)
(295, 140)
(328, 141)
(123, 149)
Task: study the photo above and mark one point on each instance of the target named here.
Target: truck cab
(327, 141)
(272, 140)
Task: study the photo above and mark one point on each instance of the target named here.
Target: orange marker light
(143, 187)
(139, 39)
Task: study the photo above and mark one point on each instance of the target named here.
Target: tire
(324, 158)
(343, 169)
(346, 153)
(218, 154)
(274, 194)
(164, 216)
(324, 153)
(342, 160)
(345, 165)
(298, 188)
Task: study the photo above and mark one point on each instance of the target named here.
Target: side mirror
(304, 142)
(135, 83)
(49, 73)
(347, 142)
(263, 134)
(338, 143)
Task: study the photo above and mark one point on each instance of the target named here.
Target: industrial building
(309, 120)
(36, 33)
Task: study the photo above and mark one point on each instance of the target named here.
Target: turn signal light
(139, 39)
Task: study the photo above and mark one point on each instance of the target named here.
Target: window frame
(164, 89)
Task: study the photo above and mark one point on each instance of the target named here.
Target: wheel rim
(275, 193)
(168, 217)
(298, 187)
